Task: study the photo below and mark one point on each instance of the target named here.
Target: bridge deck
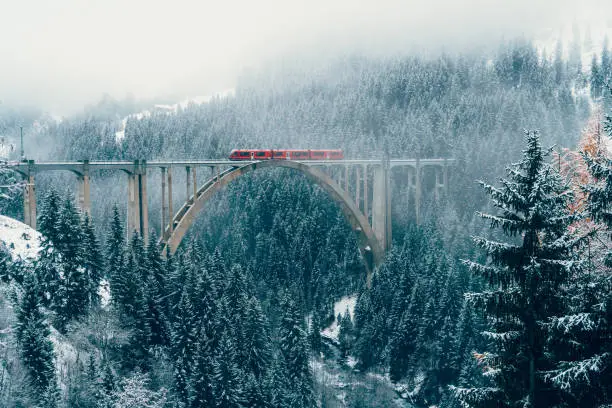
(129, 166)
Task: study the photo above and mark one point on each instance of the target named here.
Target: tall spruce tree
(295, 354)
(32, 333)
(72, 300)
(115, 251)
(92, 260)
(228, 384)
(526, 278)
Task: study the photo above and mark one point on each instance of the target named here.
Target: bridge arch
(369, 246)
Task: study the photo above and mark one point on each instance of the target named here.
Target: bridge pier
(188, 184)
(358, 187)
(84, 191)
(138, 209)
(381, 205)
(170, 211)
(29, 202)
(164, 206)
(366, 196)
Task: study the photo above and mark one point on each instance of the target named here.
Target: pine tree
(49, 213)
(254, 396)
(184, 332)
(597, 79)
(72, 300)
(32, 333)
(154, 294)
(49, 266)
(201, 383)
(115, 247)
(257, 341)
(346, 335)
(402, 343)
(606, 61)
(93, 262)
(294, 351)
(526, 280)
(227, 378)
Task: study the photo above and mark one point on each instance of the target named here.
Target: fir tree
(93, 262)
(115, 247)
(403, 341)
(32, 333)
(526, 280)
(346, 335)
(257, 341)
(294, 351)
(201, 383)
(227, 378)
(47, 219)
(72, 300)
(184, 332)
(597, 79)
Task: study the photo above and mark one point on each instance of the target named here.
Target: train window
(318, 154)
(278, 154)
(260, 154)
(244, 154)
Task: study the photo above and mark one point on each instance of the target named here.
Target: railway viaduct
(361, 188)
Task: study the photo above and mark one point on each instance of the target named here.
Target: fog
(62, 54)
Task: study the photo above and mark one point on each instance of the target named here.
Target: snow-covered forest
(500, 297)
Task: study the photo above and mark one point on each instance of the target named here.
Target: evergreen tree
(49, 263)
(93, 262)
(227, 378)
(115, 247)
(526, 280)
(254, 396)
(48, 215)
(154, 294)
(32, 333)
(606, 61)
(257, 341)
(201, 383)
(184, 332)
(294, 351)
(72, 300)
(403, 341)
(346, 335)
(597, 78)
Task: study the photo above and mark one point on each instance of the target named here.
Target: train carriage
(286, 154)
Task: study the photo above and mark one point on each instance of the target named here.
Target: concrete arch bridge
(361, 188)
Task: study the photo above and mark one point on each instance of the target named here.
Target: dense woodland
(519, 317)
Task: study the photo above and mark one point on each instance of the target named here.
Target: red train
(285, 154)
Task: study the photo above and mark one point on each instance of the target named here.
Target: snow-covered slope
(171, 109)
(19, 239)
(340, 307)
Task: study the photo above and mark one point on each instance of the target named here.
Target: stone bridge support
(29, 198)
(138, 209)
(381, 205)
(84, 191)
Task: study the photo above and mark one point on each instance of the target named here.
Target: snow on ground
(172, 109)
(66, 356)
(19, 239)
(340, 307)
(104, 293)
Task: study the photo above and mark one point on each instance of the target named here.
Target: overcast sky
(62, 54)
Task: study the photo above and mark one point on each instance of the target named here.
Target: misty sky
(62, 54)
